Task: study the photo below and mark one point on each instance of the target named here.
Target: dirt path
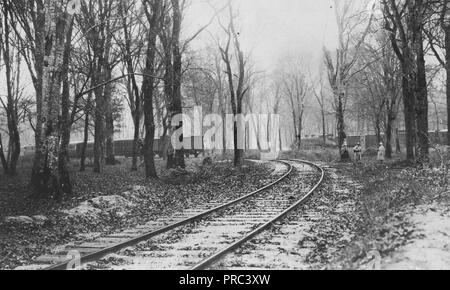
(430, 249)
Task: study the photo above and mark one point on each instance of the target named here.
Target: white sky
(271, 28)
(268, 29)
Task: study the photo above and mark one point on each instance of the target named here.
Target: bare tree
(221, 95)
(295, 88)
(132, 48)
(438, 33)
(405, 22)
(277, 106)
(52, 175)
(237, 91)
(98, 26)
(321, 98)
(153, 10)
(340, 70)
(30, 31)
(199, 82)
(14, 94)
(88, 110)
(43, 32)
(386, 71)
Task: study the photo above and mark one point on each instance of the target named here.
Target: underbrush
(388, 191)
(204, 172)
(319, 154)
(229, 155)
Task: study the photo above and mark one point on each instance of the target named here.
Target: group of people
(358, 151)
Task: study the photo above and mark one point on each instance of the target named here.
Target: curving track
(198, 238)
(303, 197)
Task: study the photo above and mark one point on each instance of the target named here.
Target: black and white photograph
(241, 138)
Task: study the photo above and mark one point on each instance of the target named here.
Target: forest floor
(403, 219)
(142, 201)
(430, 249)
(365, 216)
(396, 214)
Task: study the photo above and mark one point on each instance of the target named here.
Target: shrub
(323, 155)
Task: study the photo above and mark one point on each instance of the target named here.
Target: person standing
(381, 153)
(345, 155)
(358, 152)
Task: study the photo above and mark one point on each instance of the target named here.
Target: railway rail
(216, 257)
(243, 219)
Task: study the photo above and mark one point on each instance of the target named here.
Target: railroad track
(216, 257)
(214, 229)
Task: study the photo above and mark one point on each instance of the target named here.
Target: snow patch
(92, 209)
(18, 220)
(40, 219)
(430, 250)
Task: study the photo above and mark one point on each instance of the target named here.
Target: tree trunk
(409, 101)
(149, 89)
(49, 179)
(398, 147)
(224, 132)
(109, 121)
(66, 120)
(99, 111)
(340, 121)
(164, 139)
(176, 157)
(237, 151)
(438, 128)
(168, 91)
(110, 155)
(389, 130)
(447, 57)
(85, 140)
(65, 103)
(109, 147)
(324, 129)
(237, 96)
(281, 141)
(2, 156)
(11, 106)
(422, 102)
(378, 130)
(136, 153)
(14, 148)
(410, 29)
(133, 90)
(39, 37)
(294, 118)
(300, 131)
(99, 138)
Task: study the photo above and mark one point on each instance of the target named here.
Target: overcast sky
(270, 28)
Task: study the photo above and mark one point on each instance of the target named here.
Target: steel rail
(219, 255)
(91, 257)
